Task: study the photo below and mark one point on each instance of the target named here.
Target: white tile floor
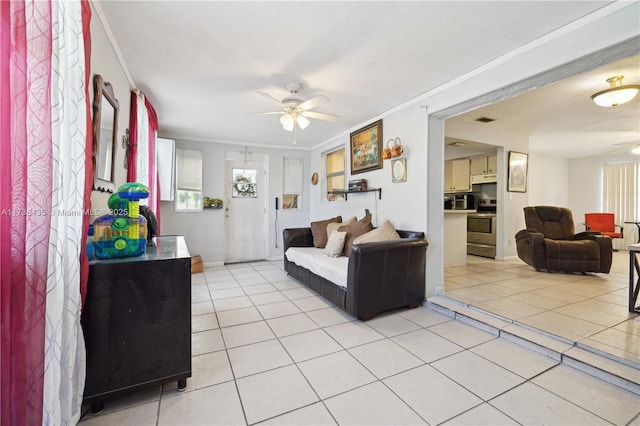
(589, 310)
(267, 350)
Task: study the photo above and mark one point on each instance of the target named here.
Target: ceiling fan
(295, 112)
(634, 147)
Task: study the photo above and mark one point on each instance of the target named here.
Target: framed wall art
(366, 148)
(517, 179)
(399, 170)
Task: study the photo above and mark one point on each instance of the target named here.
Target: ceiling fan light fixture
(616, 94)
(302, 122)
(287, 122)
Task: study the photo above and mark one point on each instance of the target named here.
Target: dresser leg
(182, 385)
(97, 407)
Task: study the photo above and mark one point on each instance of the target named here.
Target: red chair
(604, 223)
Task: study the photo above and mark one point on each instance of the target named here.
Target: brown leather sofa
(382, 276)
(550, 243)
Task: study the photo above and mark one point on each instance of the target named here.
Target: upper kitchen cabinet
(456, 175)
(484, 165)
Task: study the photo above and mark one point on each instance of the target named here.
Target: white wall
(538, 64)
(402, 203)
(204, 231)
(105, 63)
(548, 180)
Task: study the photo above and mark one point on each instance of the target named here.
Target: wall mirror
(105, 131)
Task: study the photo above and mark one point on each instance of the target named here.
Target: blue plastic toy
(124, 233)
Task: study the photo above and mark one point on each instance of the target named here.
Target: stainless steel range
(481, 229)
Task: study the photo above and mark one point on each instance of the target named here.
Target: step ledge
(606, 367)
(610, 371)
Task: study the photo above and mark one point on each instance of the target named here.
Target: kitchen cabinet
(484, 165)
(456, 175)
(492, 164)
(455, 237)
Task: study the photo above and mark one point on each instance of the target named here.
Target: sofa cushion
(383, 233)
(319, 231)
(335, 244)
(354, 230)
(334, 269)
(333, 226)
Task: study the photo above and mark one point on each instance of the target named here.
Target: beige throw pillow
(335, 244)
(354, 230)
(383, 233)
(319, 231)
(333, 226)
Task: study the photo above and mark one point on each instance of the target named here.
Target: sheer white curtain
(65, 356)
(621, 187)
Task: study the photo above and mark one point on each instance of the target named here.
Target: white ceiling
(561, 118)
(201, 63)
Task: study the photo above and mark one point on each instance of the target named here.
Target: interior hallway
(268, 350)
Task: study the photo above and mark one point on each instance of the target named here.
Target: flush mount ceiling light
(617, 94)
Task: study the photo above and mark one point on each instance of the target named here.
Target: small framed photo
(399, 170)
(366, 148)
(517, 178)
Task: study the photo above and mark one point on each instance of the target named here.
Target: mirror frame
(104, 89)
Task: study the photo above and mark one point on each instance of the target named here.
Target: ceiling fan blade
(629, 147)
(271, 98)
(313, 102)
(267, 113)
(320, 116)
(626, 143)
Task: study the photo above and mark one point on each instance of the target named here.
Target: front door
(245, 211)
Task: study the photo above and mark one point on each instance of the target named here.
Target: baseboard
(213, 264)
(507, 258)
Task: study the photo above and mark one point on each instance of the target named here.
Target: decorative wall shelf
(345, 192)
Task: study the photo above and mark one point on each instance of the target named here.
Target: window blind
(188, 170)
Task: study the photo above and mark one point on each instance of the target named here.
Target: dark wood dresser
(137, 321)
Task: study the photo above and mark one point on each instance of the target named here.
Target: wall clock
(399, 170)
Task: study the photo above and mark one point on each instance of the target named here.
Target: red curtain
(138, 122)
(132, 152)
(154, 186)
(88, 179)
(25, 203)
(26, 179)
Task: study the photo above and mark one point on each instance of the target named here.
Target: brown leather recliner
(550, 243)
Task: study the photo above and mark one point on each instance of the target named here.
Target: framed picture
(366, 148)
(399, 170)
(517, 179)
